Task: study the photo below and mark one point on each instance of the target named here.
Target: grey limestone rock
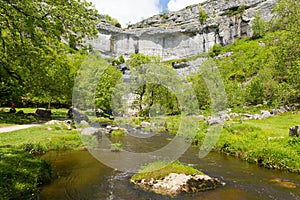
(180, 34)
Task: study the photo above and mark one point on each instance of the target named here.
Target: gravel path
(17, 127)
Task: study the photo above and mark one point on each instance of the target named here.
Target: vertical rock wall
(181, 34)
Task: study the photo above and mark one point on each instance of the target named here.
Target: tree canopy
(36, 38)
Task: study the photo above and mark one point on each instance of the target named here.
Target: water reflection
(80, 176)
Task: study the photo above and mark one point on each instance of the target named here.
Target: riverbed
(81, 176)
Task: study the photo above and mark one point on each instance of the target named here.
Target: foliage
(37, 39)
(118, 133)
(112, 21)
(118, 61)
(160, 169)
(215, 50)
(202, 15)
(255, 92)
(116, 147)
(106, 88)
(151, 92)
(164, 14)
(264, 70)
(259, 26)
(201, 90)
(235, 10)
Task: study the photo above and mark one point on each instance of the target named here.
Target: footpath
(17, 127)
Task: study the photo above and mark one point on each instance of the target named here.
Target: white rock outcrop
(181, 34)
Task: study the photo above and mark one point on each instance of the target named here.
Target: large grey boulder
(43, 113)
(174, 184)
(295, 131)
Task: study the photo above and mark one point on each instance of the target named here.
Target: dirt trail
(17, 127)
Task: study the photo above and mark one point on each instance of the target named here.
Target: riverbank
(264, 142)
(21, 170)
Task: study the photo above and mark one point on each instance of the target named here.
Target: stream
(82, 177)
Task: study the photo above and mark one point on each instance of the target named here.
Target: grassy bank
(21, 172)
(263, 142)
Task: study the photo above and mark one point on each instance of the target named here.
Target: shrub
(202, 15)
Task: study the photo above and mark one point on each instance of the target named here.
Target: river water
(82, 177)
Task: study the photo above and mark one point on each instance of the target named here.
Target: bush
(202, 15)
(215, 50)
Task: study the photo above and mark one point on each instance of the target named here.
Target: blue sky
(132, 11)
(164, 4)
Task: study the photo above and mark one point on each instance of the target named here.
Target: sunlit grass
(160, 169)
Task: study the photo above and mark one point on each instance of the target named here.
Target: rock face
(173, 184)
(183, 33)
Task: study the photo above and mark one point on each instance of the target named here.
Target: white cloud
(175, 5)
(126, 11)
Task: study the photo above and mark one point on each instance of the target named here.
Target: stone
(274, 112)
(145, 124)
(43, 113)
(215, 120)
(91, 131)
(256, 116)
(99, 112)
(234, 115)
(174, 184)
(248, 115)
(295, 131)
(265, 114)
(201, 117)
(178, 65)
(73, 113)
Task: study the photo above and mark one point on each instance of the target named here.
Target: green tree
(259, 26)
(37, 37)
(137, 63)
(106, 88)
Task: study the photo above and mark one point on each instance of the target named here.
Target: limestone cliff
(190, 31)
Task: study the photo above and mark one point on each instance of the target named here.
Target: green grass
(21, 175)
(50, 137)
(118, 133)
(159, 169)
(21, 172)
(264, 142)
(116, 147)
(10, 119)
